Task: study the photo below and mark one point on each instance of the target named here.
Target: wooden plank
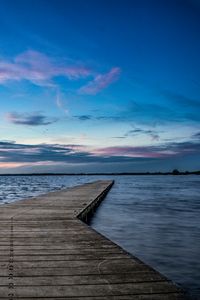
(86, 279)
(89, 290)
(47, 252)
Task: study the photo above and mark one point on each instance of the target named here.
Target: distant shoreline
(106, 174)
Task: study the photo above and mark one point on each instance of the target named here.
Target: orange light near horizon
(8, 165)
(12, 164)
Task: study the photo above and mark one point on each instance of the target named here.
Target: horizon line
(174, 172)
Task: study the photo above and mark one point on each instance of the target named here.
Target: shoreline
(106, 174)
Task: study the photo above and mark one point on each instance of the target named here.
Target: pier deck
(47, 252)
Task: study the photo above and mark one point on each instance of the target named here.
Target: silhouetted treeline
(174, 172)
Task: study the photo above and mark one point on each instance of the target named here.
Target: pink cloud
(6, 165)
(42, 70)
(39, 69)
(100, 82)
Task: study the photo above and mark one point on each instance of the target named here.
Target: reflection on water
(153, 217)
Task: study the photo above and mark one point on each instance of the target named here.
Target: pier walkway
(48, 252)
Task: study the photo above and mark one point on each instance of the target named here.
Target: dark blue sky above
(117, 82)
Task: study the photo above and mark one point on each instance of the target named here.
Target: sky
(99, 86)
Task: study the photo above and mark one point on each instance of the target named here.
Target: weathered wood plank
(88, 290)
(86, 279)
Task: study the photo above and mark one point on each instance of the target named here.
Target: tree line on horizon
(174, 172)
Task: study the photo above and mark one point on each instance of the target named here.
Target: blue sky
(99, 86)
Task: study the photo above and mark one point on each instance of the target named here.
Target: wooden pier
(48, 252)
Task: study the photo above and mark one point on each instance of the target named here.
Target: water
(14, 188)
(156, 218)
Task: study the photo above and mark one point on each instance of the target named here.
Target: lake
(156, 218)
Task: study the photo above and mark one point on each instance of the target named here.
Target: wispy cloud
(60, 104)
(107, 118)
(39, 69)
(83, 117)
(158, 151)
(138, 131)
(100, 82)
(31, 119)
(134, 152)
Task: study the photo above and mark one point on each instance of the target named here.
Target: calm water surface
(156, 218)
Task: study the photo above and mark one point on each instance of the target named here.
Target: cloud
(158, 151)
(134, 152)
(83, 117)
(137, 131)
(100, 118)
(42, 70)
(39, 69)
(100, 82)
(8, 165)
(60, 104)
(44, 154)
(196, 135)
(56, 153)
(118, 137)
(31, 119)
